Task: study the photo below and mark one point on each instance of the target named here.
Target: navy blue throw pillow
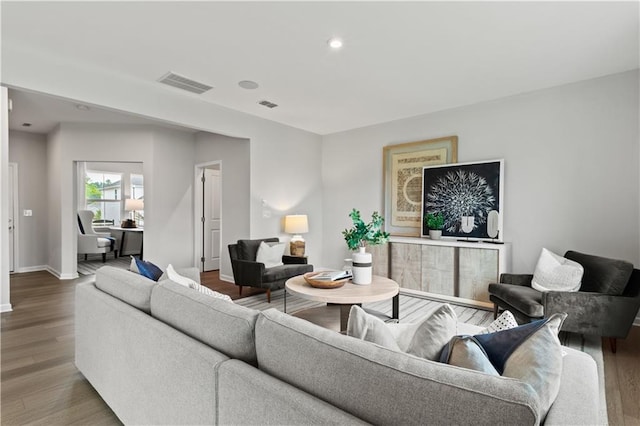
(148, 269)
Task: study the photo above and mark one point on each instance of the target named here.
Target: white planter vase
(435, 234)
(361, 267)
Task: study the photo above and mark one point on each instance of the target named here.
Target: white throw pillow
(177, 278)
(270, 254)
(555, 273)
(188, 282)
(133, 266)
(424, 338)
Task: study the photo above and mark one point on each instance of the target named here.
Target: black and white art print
(469, 196)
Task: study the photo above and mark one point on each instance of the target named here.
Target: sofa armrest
(294, 260)
(516, 279)
(578, 400)
(247, 272)
(593, 313)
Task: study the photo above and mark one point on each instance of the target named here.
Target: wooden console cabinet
(444, 269)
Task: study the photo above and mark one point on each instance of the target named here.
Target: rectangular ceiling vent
(184, 83)
(268, 104)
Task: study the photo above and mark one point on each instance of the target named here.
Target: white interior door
(12, 218)
(211, 220)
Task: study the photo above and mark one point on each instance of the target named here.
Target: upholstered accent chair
(248, 272)
(90, 241)
(606, 304)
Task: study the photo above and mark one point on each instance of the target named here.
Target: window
(103, 195)
(137, 193)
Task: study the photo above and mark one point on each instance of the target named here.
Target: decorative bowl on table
(323, 283)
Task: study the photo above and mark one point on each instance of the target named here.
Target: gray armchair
(90, 241)
(248, 272)
(606, 304)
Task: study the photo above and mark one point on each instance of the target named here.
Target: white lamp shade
(296, 224)
(131, 205)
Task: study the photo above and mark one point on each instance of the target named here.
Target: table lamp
(296, 224)
(131, 205)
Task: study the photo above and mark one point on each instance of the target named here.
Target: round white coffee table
(350, 294)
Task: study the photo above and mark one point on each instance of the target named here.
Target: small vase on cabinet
(361, 267)
(435, 234)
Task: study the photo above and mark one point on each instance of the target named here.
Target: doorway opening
(208, 215)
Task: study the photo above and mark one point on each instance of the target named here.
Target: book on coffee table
(332, 275)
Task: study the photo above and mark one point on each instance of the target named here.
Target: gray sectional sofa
(166, 354)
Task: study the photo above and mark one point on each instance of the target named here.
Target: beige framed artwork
(403, 165)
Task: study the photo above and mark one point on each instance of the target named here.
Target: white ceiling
(43, 113)
(400, 59)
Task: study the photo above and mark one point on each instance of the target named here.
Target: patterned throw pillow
(424, 338)
(530, 353)
(556, 273)
(504, 322)
(148, 269)
(207, 291)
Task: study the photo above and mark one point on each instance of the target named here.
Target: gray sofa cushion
(602, 275)
(248, 396)
(525, 299)
(339, 369)
(131, 288)
(225, 326)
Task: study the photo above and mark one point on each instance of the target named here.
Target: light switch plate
(28, 213)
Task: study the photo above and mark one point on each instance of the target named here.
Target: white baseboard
(6, 307)
(227, 278)
(637, 321)
(60, 276)
(32, 269)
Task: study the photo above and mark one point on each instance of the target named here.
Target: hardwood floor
(212, 280)
(40, 384)
(622, 377)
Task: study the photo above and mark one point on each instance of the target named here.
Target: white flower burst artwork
(464, 194)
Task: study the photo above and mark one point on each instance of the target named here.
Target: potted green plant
(358, 237)
(435, 223)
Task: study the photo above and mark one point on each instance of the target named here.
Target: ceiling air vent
(268, 104)
(184, 83)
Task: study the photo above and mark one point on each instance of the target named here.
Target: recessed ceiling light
(82, 107)
(335, 43)
(248, 84)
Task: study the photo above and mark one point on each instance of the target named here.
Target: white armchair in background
(90, 241)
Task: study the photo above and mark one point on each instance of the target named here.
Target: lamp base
(128, 223)
(296, 247)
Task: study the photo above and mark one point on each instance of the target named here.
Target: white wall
(84, 142)
(571, 167)
(234, 155)
(5, 303)
(281, 154)
(168, 204)
(29, 151)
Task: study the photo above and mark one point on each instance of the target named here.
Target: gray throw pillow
(530, 353)
(424, 338)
